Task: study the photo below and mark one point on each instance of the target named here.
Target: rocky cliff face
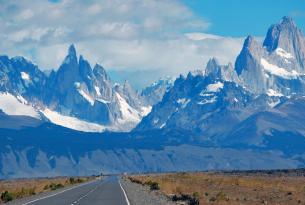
(277, 64)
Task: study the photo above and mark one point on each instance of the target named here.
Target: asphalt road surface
(108, 191)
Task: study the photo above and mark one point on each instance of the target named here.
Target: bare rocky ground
(142, 195)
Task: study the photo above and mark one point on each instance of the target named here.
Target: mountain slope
(77, 93)
(245, 107)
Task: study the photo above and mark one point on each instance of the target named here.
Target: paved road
(102, 192)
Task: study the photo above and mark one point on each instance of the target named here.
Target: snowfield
(72, 122)
(278, 71)
(281, 52)
(12, 105)
(214, 87)
(129, 114)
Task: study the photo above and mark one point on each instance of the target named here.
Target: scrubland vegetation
(15, 189)
(228, 189)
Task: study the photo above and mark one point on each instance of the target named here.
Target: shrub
(79, 180)
(134, 180)
(222, 197)
(71, 180)
(6, 196)
(54, 186)
(32, 191)
(192, 200)
(153, 185)
(46, 187)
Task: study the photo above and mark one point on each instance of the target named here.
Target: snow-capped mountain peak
(74, 92)
(277, 64)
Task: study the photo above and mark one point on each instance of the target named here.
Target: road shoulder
(141, 195)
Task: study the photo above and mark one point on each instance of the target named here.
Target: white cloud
(201, 36)
(26, 14)
(94, 9)
(119, 34)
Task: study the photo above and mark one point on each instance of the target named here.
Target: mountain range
(246, 115)
(76, 96)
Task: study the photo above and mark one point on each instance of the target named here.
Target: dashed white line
(92, 190)
(48, 196)
(126, 198)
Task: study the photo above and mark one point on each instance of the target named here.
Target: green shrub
(79, 180)
(54, 186)
(46, 187)
(32, 191)
(153, 185)
(72, 180)
(192, 200)
(134, 180)
(6, 196)
(222, 197)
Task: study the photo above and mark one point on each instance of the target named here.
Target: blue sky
(243, 17)
(144, 39)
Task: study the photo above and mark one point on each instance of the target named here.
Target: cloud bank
(160, 35)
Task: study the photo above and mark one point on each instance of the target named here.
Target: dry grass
(231, 189)
(26, 187)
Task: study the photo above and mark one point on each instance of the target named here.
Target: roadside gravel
(141, 195)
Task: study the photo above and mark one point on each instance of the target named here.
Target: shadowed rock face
(155, 92)
(20, 77)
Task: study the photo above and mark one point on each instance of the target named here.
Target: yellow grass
(26, 187)
(230, 189)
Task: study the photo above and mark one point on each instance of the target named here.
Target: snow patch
(272, 104)
(274, 93)
(214, 87)
(12, 105)
(281, 52)
(97, 90)
(183, 102)
(102, 100)
(145, 110)
(72, 122)
(156, 121)
(77, 85)
(163, 125)
(86, 96)
(278, 71)
(129, 114)
(207, 101)
(25, 76)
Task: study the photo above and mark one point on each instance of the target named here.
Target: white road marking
(92, 190)
(126, 198)
(45, 197)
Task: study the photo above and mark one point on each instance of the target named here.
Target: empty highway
(108, 191)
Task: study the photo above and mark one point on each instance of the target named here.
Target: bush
(153, 185)
(46, 187)
(32, 191)
(55, 186)
(222, 197)
(6, 196)
(79, 180)
(72, 180)
(192, 200)
(134, 180)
